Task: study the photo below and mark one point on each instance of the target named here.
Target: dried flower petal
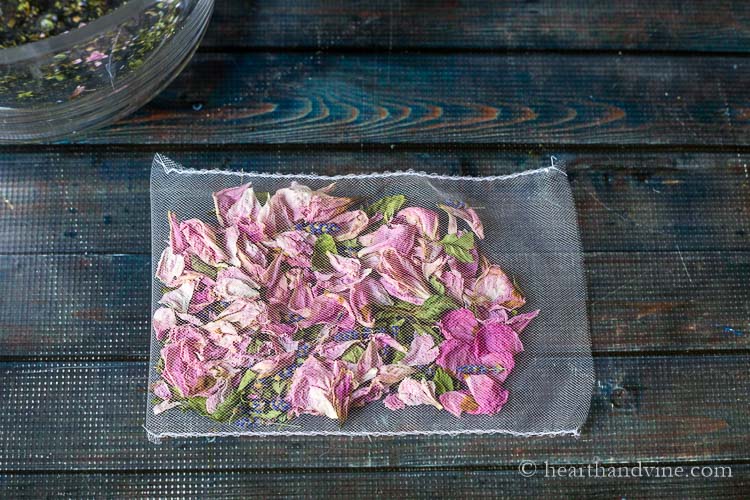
(305, 305)
(414, 393)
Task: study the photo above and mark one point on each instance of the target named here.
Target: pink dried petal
(385, 339)
(422, 351)
(202, 242)
(272, 365)
(392, 402)
(457, 402)
(459, 324)
(170, 268)
(96, 56)
(164, 320)
(176, 240)
(414, 393)
(350, 224)
(296, 246)
(397, 237)
(232, 283)
(334, 350)
(393, 374)
(161, 390)
(454, 354)
(401, 278)
(467, 214)
(368, 364)
(331, 309)
(164, 406)
(179, 299)
(426, 221)
(493, 289)
(488, 394)
(367, 394)
(519, 322)
(363, 296)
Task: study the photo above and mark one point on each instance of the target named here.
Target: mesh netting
(376, 304)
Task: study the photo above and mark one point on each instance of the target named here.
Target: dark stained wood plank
(391, 484)
(716, 25)
(98, 306)
(89, 416)
(98, 201)
(534, 99)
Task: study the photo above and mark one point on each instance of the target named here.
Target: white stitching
(156, 437)
(189, 171)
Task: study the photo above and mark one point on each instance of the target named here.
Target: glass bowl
(94, 74)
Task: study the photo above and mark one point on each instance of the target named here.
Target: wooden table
(648, 102)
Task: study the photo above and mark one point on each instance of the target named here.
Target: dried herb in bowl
(63, 71)
(86, 68)
(24, 21)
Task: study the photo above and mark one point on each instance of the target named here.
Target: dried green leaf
(203, 268)
(459, 247)
(388, 206)
(443, 381)
(247, 378)
(353, 354)
(227, 409)
(324, 244)
(437, 285)
(434, 307)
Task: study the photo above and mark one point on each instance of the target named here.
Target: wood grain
(390, 484)
(666, 235)
(98, 306)
(89, 416)
(534, 99)
(715, 25)
(97, 201)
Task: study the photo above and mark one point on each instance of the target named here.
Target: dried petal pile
(301, 302)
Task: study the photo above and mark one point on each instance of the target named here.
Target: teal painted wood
(88, 416)
(688, 25)
(428, 484)
(98, 200)
(511, 100)
(665, 233)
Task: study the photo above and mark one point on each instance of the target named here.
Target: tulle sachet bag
(395, 303)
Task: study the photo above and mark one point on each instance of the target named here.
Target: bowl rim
(68, 39)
